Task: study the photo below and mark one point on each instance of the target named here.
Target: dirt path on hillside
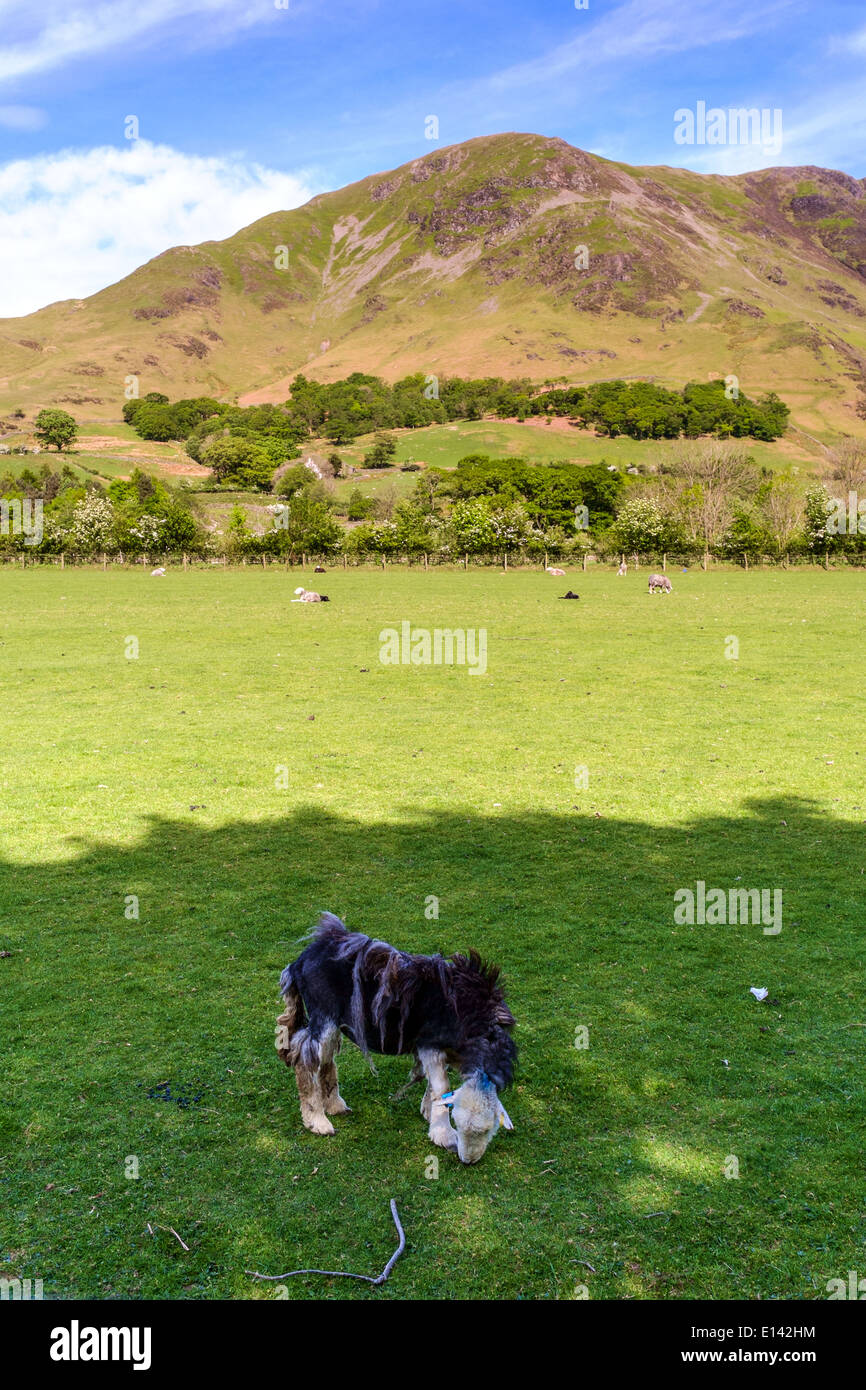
(696, 313)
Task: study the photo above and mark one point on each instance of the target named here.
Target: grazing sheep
(447, 1012)
(320, 569)
(552, 570)
(659, 582)
(157, 573)
(308, 596)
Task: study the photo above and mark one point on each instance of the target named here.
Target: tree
(56, 427)
(639, 527)
(239, 463)
(383, 450)
(746, 537)
(416, 529)
(848, 461)
(818, 508)
(470, 528)
(360, 507)
(783, 510)
(308, 526)
(716, 475)
(92, 523)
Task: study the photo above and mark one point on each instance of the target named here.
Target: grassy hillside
(464, 262)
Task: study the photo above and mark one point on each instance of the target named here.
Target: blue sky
(244, 107)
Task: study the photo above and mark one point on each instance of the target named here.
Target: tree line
(245, 445)
(710, 499)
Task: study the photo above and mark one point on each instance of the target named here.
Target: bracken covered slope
(469, 261)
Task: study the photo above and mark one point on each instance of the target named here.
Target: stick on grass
(342, 1273)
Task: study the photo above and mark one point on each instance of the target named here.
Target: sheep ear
(503, 1117)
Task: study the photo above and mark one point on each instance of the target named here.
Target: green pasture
(202, 752)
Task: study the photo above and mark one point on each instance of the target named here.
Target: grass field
(157, 777)
(442, 446)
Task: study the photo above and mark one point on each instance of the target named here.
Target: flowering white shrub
(92, 523)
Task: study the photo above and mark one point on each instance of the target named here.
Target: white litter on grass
(759, 993)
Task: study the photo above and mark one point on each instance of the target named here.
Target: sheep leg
(328, 1049)
(441, 1130)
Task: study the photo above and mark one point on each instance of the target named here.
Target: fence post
(184, 560)
(664, 562)
(63, 559)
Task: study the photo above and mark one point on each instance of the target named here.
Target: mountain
(467, 261)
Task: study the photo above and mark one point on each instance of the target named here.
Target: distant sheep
(552, 570)
(308, 596)
(623, 569)
(659, 582)
(158, 572)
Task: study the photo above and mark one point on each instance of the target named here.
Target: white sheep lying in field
(551, 569)
(309, 596)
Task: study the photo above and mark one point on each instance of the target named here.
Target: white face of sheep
(476, 1112)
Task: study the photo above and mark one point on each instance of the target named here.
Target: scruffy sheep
(659, 583)
(447, 1012)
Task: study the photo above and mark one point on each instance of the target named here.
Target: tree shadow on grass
(615, 1176)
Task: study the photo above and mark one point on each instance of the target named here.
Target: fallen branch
(173, 1231)
(342, 1273)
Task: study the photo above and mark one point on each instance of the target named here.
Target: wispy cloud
(23, 117)
(849, 43)
(639, 31)
(38, 38)
(73, 222)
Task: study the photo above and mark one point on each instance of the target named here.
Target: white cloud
(73, 222)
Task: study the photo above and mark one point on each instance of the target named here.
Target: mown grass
(155, 777)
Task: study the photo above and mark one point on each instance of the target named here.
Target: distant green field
(610, 755)
(442, 446)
